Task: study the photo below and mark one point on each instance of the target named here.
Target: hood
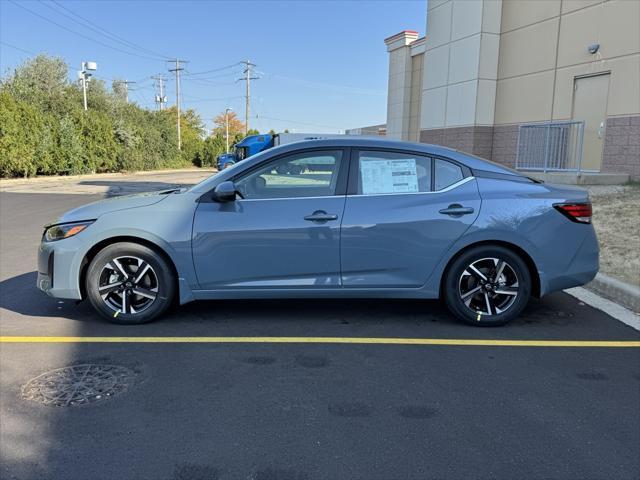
(92, 211)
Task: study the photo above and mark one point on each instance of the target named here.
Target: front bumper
(59, 268)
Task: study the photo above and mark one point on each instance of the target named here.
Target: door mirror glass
(225, 192)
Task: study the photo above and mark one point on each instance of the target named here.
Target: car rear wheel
(128, 283)
(487, 286)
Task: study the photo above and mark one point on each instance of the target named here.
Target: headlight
(65, 230)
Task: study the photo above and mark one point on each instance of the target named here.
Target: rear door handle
(320, 216)
(456, 210)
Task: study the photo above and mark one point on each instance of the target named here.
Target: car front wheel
(487, 286)
(129, 283)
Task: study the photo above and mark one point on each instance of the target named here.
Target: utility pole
(248, 68)
(160, 97)
(177, 71)
(126, 88)
(226, 121)
(84, 75)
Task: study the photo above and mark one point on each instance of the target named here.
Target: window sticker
(388, 176)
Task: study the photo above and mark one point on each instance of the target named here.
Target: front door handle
(456, 210)
(320, 216)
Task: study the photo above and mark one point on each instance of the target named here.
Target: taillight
(577, 212)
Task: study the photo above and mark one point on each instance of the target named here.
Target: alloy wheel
(488, 286)
(128, 285)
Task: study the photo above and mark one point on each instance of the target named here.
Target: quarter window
(391, 172)
(446, 174)
(309, 174)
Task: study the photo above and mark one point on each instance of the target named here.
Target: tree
(236, 126)
(44, 128)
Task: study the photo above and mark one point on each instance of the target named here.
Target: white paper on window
(388, 176)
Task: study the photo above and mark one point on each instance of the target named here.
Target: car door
(402, 213)
(283, 230)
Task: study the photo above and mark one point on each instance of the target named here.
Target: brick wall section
(621, 152)
(505, 145)
(477, 140)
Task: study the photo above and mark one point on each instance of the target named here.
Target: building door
(590, 105)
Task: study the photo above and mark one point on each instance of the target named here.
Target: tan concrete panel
(519, 13)
(439, 26)
(572, 5)
(485, 102)
(436, 67)
(524, 99)
(529, 49)
(624, 90)
(466, 18)
(614, 24)
(491, 16)
(432, 111)
(461, 104)
(463, 59)
(489, 55)
(431, 4)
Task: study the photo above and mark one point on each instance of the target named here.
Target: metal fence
(550, 146)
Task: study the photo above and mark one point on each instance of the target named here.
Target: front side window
(309, 174)
(393, 172)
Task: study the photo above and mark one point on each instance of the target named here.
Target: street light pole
(84, 76)
(226, 121)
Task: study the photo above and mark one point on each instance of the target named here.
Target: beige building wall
(490, 65)
(544, 51)
(399, 87)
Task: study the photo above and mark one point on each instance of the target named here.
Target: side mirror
(225, 192)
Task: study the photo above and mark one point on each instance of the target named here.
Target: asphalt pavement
(281, 411)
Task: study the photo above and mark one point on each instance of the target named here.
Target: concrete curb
(620, 292)
(613, 309)
(93, 176)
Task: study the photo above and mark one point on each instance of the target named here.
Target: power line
(17, 48)
(103, 31)
(300, 123)
(329, 86)
(220, 99)
(213, 70)
(78, 33)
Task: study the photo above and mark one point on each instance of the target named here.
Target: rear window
(446, 174)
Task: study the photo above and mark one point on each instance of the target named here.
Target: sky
(322, 65)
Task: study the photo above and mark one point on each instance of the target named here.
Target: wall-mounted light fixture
(593, 48)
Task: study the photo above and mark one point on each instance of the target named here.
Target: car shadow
(20, 295)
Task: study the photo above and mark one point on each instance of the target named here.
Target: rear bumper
(582, 268)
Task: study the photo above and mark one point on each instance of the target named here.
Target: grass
(616, 218)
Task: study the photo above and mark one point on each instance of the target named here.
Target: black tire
(461, 280)
(157, 281)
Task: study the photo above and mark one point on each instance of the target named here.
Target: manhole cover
(78, 385)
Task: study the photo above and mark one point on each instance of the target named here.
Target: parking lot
(221, 390)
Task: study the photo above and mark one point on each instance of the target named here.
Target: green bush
(44, 129)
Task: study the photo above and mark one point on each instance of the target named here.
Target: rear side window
(391, 172)
(446, 174)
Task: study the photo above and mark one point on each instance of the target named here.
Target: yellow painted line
(338, 340)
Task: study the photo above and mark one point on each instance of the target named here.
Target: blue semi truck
(253, 144)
